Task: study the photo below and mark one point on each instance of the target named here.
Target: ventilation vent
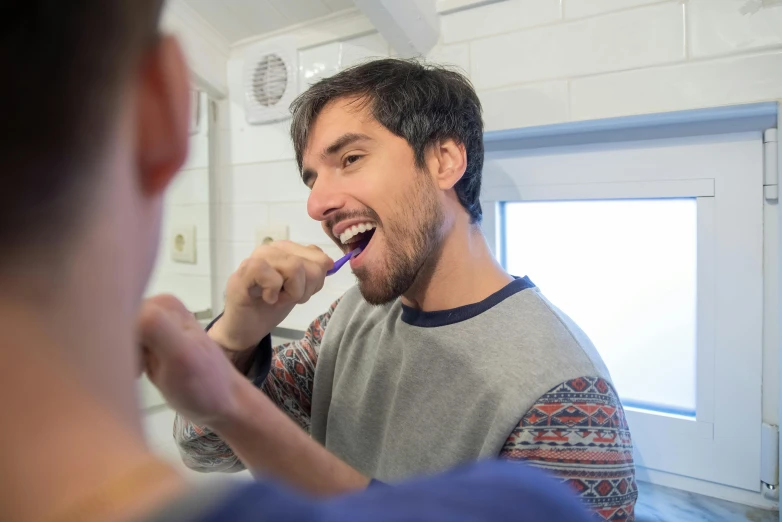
(270, 80)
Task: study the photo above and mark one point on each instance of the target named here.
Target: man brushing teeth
(352, 237)
(438, 356)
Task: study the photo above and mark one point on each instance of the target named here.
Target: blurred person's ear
(163, 115)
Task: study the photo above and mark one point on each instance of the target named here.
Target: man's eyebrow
(343, 141)
(309, 175)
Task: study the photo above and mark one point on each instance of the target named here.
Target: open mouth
(357, 236)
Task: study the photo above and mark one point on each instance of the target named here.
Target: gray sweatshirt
(396, 392)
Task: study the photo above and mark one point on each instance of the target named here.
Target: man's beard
(411, 238)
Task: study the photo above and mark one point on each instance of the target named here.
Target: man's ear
(163, 115)
(447, 163)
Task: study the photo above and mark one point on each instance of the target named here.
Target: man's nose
(325, 199)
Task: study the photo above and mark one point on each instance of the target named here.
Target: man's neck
(464, 271)
(72, 423)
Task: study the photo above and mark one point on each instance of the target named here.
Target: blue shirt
(489, 491)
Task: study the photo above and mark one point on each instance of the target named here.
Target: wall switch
(265, 235)
(183, 247)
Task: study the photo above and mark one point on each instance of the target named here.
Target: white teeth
(353, 231)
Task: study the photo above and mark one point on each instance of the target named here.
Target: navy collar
(416, 317)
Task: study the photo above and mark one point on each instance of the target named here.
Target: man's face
(366, 190)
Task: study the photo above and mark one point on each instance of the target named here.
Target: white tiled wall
(637, 38)
(735, 79)
(548, 61)
(188, 204)
(499, 18)
(579, 9)
(725, 27)
(533, 62)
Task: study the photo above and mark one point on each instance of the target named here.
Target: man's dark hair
(419, 102)
(64, 64)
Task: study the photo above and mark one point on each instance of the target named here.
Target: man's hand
(188, 367)
(199, 381)
(265, 288)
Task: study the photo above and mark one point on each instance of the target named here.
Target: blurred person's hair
(64, 66)
(419, 102)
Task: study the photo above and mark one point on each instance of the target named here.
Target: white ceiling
(238, 19)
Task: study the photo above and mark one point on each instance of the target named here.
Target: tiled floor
(659, 504)
(655, 504)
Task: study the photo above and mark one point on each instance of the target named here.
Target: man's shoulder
(531, 321)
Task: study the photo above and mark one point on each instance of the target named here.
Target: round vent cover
(271, 74)
(270, 80)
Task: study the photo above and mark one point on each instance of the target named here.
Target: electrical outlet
(265, 235)
(183, 246)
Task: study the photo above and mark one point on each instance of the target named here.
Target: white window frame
(721, 446)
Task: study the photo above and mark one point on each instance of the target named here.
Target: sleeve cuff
(261, 359)
(262, 364)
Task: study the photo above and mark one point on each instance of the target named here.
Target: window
(656, 249)
(625, 271)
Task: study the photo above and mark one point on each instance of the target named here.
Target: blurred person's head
(392, 151)
(94, 127)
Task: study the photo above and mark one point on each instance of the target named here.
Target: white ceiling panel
(260, 15)
(221, 18)
(338, 5)
(298, 11)
(238, 19)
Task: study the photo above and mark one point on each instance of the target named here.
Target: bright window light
(625, 271)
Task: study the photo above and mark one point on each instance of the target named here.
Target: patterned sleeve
(578, 432)
(292, 374)
(288, 384)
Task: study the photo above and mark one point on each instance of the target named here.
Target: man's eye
(352, 159)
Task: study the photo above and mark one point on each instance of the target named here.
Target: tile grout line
(562, 21)
(759, 51)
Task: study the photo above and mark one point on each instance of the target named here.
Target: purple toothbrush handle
(344, 259)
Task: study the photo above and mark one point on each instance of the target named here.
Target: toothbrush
(344, 259)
